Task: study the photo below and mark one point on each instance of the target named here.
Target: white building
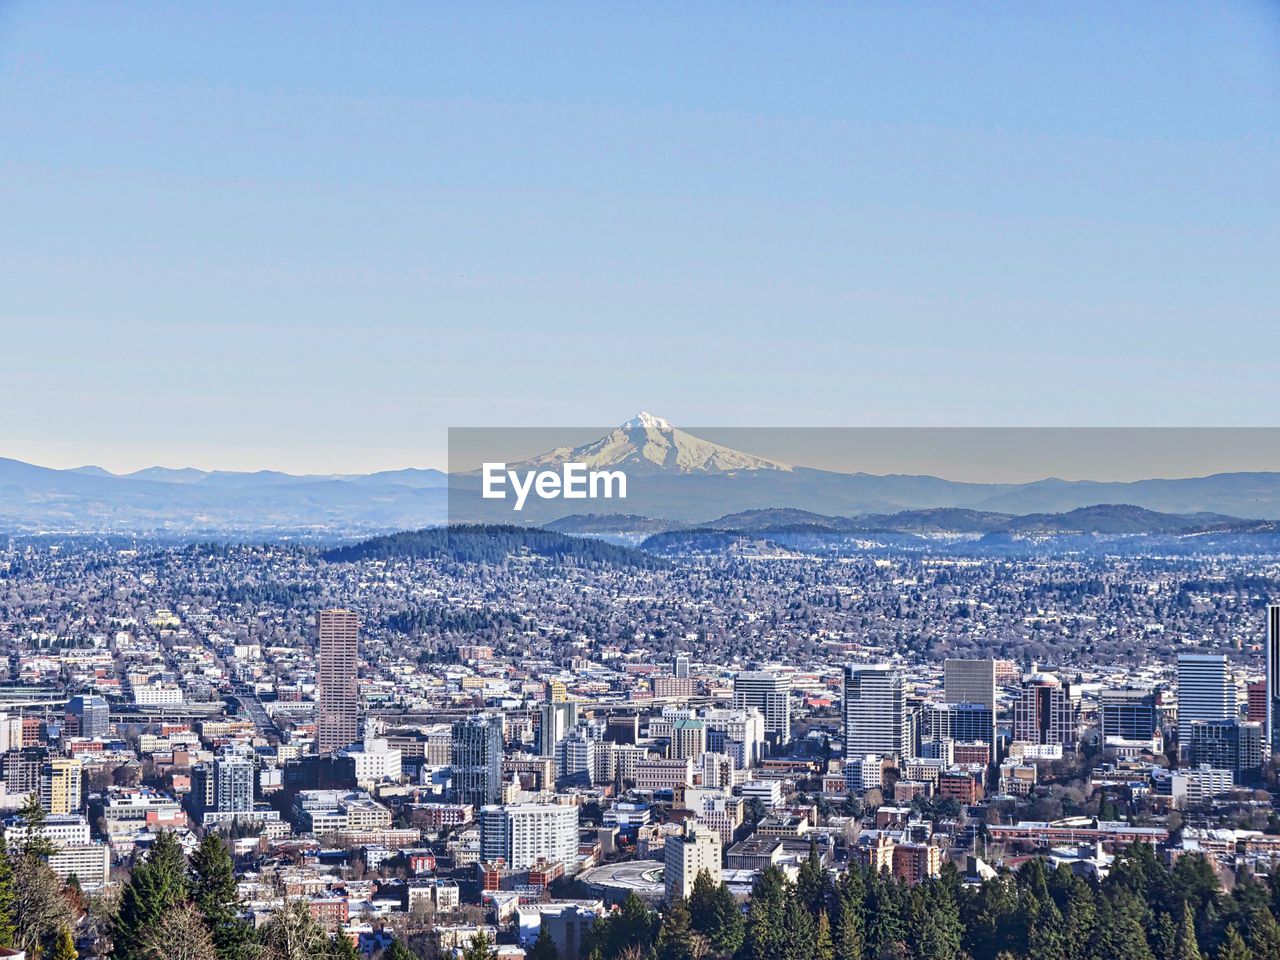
(522, 834)
(686, 855)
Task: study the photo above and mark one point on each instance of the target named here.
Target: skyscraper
(875, 712)
(233, 773)
(770, 693)
(687, 855)
(1205, 692)
(1273, 678)
(680, 668)
(476, 758)
(88, 716)
(1043, 712)
(337, 720)
(972, 681)
(1130, 714)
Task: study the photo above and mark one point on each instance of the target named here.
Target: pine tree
(343, 948)
(798, 930)
(675, 936)
(34, 843)
(1233, 947)
(544, 948)
(1185, 946)
(1263, 934)
(64, 946)
(812, 883)
(8, 902)
(728, 928)
(823, 945)
(764, 938)
(213, 890)
(398, 951)
(478, 947)
(157, 884)
(702, 903)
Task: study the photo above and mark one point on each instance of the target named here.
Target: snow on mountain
(647, 444)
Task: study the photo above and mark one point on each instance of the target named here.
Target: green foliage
(675, 935)
(64, 945)
(158, 884)
(478, 947)
(544, 948)
(213, 890)
(398, 951)
(8, 902)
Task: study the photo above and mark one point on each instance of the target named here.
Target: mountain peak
(646, 421)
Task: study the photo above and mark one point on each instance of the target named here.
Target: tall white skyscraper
(770, 693)
(686, 855)
(875, 712)
(1205, 692)
(1272, 732)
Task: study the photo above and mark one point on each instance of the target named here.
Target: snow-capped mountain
(646, 444)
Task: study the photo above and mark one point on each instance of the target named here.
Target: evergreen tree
(675, 936)
(213, 890)
(798, 929)
(727, 928)
(64, 947)
(812, 883)
(478, 947)
(8, 902)
(702, 903)
(157, 884)
(343, 948)
(885, 915)
(1263, 934)
(823, 944)
(398, 951)
(544, 948)
(1185, 945)
(34, 843)
(764, 938)
(1233, 947)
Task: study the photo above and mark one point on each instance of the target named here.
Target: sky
(314, 236)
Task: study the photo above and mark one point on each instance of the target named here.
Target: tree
(544, 948)
(812, 883)
(1184, 944)
(157, 885)
(64, 946)
(675, 936)
(727, 928)
(823, 946)
(40, 909)
(213, 890)
(478, 947)
(702, 900)
(34, 843)
(181, 934)
(398, 951)
(8, 898)
(1233, 947)
(293, 934)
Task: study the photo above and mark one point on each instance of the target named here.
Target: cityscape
(430, 752)
(639, 481)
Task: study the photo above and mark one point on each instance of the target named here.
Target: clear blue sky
(312, 236)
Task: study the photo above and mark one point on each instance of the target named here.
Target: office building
(476, 758)
(555, 720)
(1272, 729)
(1233, 745)
(770, 693)
(87, 716)
(1044, 713)
(688, 739)
(1128, 714)
(680, 669)
(338, 716)
(962, 721)
(687, 855)
(875, 713)
(1205, 692)
(972, 682)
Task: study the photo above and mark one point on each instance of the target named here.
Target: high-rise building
(338, 717)
(1044, 713)
(875, 712)
(61, 785)
(555, 720)
(686, 855)
(88, 716)
(476, 758)
(680, 669)
(1273, 678)
(739, 733)
(233, 774)
(522, 834)
(972, 681)
(688, 739)
(770, 693)
(1129, 714)
(1205, 692)
(961, 721)
(1228, 745)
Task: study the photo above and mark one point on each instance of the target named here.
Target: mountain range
(675, 480)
